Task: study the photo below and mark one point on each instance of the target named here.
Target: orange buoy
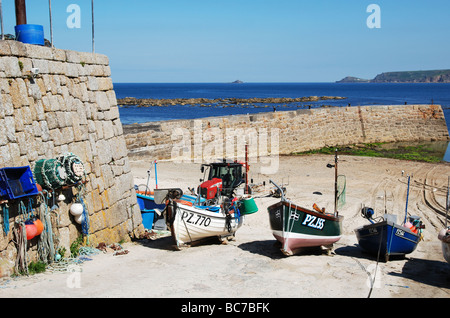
(31, 230)
(39, 226)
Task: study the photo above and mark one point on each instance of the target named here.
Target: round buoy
(39, 226)
(31, 230)
(76, 209)
(79, 218)
(442, 234)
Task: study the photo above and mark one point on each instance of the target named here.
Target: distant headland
(434, 76)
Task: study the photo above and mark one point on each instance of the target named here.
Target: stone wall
(69, 106)
(285, 132)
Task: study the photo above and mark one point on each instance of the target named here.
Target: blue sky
(251, 40)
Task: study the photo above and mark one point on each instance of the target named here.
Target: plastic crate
(147, 219)
(17, 182)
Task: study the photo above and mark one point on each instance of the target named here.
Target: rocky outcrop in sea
(223, 102)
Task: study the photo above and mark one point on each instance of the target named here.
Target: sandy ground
(252, 265)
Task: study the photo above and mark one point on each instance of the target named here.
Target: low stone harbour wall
(54, 102)
(284, 132)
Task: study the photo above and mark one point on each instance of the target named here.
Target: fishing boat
(151, 211)
(296, 227)
(215, 211)
(384, 237)
(192, 220)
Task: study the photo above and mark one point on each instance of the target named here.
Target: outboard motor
(367, 213)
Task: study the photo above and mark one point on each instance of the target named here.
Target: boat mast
(246, 169)
(447, 202)
(329, 165)
(407, 196)
(335, 182)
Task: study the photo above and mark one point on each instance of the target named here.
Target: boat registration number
(313, 221)
(196, 219)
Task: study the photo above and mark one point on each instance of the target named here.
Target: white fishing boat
(192, 221)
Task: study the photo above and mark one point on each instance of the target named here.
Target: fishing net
(73, 167)
(341, 189)
(50, 173)
(67, 169)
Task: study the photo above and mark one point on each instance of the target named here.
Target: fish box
(17, 182)
(147, 219)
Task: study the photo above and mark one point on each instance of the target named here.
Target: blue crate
(147, 219)
(17, 182)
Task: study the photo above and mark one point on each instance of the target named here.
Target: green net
(49, 173)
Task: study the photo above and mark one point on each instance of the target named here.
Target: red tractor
(222, 179)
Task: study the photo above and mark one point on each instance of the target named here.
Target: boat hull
(296, 227)
(444, 237)
(386, 238)
(190, 223)
(446, 251)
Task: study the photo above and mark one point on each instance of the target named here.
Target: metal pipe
(50, 17)
(21, 12)
(93, 41)
(1, 18)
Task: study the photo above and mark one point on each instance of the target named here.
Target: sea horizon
(355, 94)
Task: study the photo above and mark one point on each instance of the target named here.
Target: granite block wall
(285, 132)
(52, 102)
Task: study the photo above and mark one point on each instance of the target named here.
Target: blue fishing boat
(151, 210)
(384, 237)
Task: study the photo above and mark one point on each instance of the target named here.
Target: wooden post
(21, 12)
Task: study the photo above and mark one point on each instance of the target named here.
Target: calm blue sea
(356, 94)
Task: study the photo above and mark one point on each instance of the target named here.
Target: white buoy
(76, 209)
(79, 218)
